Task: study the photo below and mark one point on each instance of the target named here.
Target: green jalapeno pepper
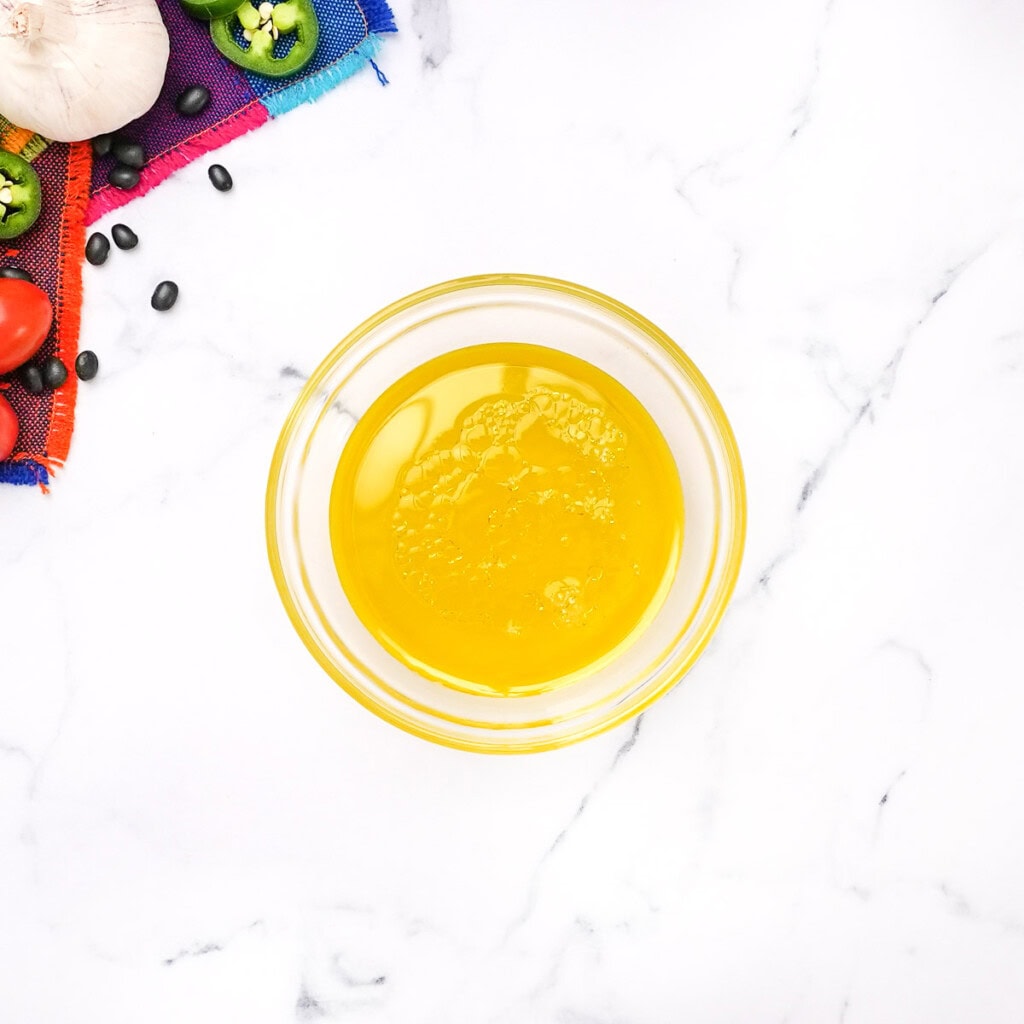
(207, 10)
(21, 196)
(262, 26)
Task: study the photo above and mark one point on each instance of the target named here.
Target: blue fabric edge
(26, 473)
(379, 17)
(312, 88)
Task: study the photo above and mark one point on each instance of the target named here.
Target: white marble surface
(823, 200)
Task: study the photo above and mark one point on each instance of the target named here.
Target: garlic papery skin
(74, 69)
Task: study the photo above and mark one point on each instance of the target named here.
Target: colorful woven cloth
(53, 250)
(349, 39)
(52, 253)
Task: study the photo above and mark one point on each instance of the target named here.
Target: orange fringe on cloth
(68, 305)
(56, 254)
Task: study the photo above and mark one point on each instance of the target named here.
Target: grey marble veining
(822, 202)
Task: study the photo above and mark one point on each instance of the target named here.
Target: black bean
(101, 145)
(123, 177)
(124, 237)
(87, 365)
(32, 379)
(165, 296)
(54, 372)
(221, 179)
(16, 272)
(129, 152)
(97, 249)
(192, 101)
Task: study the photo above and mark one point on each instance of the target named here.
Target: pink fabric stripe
(162, 167)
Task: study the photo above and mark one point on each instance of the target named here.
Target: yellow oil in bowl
(475, 513)
(505, 518)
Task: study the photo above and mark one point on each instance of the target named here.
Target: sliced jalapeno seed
(97, 249)
(124, 237)
(54, 373)
(165, 296)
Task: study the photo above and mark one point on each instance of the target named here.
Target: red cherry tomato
(8, 428)
(25, 317)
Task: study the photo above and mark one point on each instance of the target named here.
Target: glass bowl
(473, 311)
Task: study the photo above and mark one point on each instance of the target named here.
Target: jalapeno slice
(207, 10)
(261, 27)
(21, 195)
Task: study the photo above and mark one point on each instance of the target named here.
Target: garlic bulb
(73, 69)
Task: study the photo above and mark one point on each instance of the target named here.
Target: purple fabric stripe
(194, 61)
